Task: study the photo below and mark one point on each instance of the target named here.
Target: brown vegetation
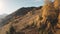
(35, 20)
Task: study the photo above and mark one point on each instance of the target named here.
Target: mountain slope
(32, 15)
(33, 20)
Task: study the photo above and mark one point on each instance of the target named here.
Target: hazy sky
(9, 6)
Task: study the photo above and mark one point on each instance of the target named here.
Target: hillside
(30, 14)
(33, 20)
(19, 13)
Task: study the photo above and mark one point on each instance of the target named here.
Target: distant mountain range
(3, 15)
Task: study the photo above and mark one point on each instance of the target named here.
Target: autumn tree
(57, 3)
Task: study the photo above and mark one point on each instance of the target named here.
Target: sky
(9, 6)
